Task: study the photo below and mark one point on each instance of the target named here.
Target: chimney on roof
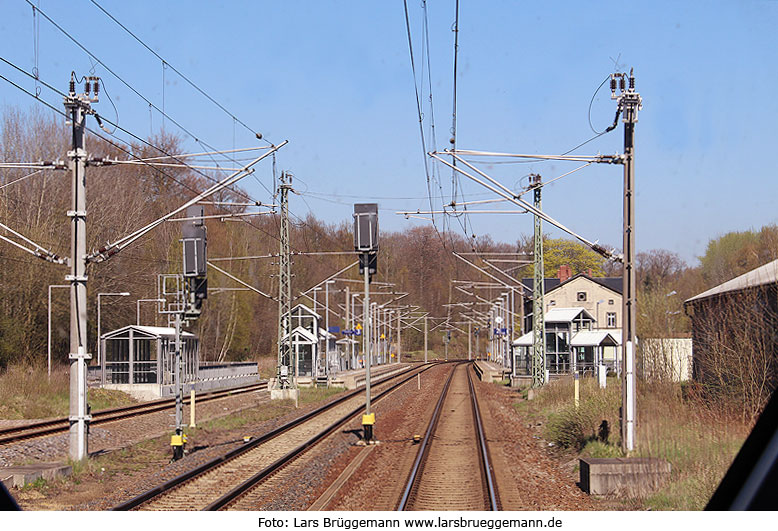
(564, 273)
(589, 272)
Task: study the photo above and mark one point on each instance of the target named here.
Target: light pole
(137, 304)
(48, 351)
(327, 326)
(315, 290)
(99, 339)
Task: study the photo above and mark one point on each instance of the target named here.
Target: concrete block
(284, 394)
(628, 476)
(19, 476)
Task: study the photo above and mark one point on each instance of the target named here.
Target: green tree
(581, 259)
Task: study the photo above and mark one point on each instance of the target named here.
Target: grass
(276, 408)
(27, 393)
(700, 441)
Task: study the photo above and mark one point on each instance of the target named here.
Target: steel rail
(53, 426)
(213, 463)
(424, 449)
(487, 468)
(238, 491)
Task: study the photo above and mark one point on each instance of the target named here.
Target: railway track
(225, 481)
(452, 470)
(62, 425)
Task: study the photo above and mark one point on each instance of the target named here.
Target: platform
(490, 372)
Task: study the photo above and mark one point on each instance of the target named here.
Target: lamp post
(327, 326)
(137, 304)
(315, 290)
(48, 351)
(99, 330)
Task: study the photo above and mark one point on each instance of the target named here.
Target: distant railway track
(452, 470)
(62, 425)
(224, 482)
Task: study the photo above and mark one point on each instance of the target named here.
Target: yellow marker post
(192, 408)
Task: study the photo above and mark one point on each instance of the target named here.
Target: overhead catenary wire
(174, 69)
(129, 86)
(119, 147)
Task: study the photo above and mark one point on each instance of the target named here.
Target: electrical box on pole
(195, 257)
(366, 243)
(366, 236)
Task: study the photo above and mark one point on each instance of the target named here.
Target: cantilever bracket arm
(242, 283)
(508, 194)
(36, 250)
(110, 249)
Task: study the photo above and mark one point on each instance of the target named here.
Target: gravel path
(530, 478)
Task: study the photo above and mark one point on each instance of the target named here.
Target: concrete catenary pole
(630, 102)
(77, 107)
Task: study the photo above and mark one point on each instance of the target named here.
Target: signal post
(366, 243)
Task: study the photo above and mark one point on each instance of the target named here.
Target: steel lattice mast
(538, 325)
(284, 292)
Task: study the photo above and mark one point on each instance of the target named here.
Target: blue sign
(334, 330)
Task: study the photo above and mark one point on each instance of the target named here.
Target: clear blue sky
(334, 78)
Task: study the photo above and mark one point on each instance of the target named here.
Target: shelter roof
(766, 274)
(306, 334)
(594, 338)
(153, 331)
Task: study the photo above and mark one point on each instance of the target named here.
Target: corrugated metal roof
(766, 274)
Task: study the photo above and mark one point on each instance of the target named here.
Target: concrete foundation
(19, 476)
(626, 476)
(284, 394)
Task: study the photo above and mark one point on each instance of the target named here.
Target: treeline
(242, 324)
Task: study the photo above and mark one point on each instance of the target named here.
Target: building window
(552, 303)
(610, 302)
(581, 296)
(611, 319)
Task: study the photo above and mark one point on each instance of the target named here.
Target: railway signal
(366, 243)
